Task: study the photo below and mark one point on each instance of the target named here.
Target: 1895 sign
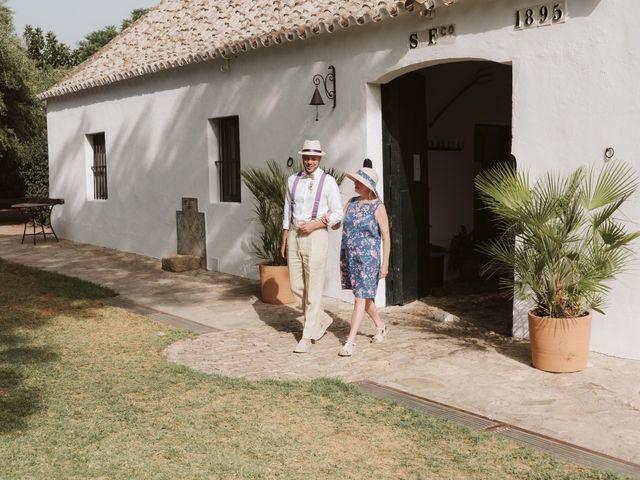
(540, 15)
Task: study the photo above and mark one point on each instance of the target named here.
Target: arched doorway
(442, 125)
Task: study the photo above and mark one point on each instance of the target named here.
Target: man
(312, 204)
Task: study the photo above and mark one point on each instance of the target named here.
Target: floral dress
(360, 251)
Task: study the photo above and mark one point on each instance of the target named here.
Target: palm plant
(268, 186)
(560, 241)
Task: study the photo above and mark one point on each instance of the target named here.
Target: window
(227, 157)
(99, 167)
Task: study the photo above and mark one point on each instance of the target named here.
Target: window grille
(229, 158)
(99, 167)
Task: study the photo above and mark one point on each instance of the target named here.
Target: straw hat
(366, 176)
(312, 148)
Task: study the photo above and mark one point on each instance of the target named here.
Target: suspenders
(316, 203)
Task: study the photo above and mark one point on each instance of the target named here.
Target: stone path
(455, 364)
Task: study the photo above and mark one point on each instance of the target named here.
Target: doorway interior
(442, 125)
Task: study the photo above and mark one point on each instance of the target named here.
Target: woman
(365, 225)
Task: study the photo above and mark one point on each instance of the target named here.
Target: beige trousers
(307, 258)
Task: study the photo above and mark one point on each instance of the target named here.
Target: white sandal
(347, 349)
(381, 332)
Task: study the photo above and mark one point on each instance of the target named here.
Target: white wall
(575, 92)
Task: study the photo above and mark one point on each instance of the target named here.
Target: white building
(431, 96)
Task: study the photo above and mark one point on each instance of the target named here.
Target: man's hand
(283, 246)
(308, 227)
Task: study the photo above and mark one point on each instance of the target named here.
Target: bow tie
(309, 176)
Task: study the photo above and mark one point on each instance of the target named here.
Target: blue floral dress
(360, 251)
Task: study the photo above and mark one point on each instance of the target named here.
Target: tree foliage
(52, 58)
(93, 42)
(22, 118)
(46, 50)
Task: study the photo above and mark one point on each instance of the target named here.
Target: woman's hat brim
(357, 178)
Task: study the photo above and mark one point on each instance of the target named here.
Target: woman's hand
(384, 271)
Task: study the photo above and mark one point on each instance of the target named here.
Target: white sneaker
(303, 346)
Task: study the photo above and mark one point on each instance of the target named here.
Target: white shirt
(330, 200)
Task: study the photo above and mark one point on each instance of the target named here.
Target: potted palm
(561, 243)
(268, 186)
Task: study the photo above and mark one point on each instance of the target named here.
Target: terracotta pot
(559, 344)
(274, 284)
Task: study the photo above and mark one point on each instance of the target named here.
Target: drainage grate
(435, 409)
(571, 452)
(567, 451)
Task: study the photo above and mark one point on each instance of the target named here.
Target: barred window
(99, 167)
(227, 131)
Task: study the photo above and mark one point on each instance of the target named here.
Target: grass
(85, 392)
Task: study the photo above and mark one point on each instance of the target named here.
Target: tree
(45, 50)
(57, 54)
(22, 118)
(52, 57)
(34, 40)
(93, 42)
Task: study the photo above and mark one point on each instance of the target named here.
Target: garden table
(37, 213)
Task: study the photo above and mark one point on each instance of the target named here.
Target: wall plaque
(431, 35)
(541, 15)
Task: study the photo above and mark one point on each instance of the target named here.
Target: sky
(71, 20)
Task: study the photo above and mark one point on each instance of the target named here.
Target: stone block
(446, 317)
(180, 263)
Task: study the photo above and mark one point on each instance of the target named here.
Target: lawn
(85, 392)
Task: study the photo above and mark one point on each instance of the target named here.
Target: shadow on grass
(17, 403)
(58, 285)
(29, 300)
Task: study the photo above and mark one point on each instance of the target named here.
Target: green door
(492, 145)
(406, 193)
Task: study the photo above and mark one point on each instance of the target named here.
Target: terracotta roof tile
(181, 32)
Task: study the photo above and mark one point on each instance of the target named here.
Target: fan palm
(561, 241)
(268, 186)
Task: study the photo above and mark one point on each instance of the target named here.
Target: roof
(182, 32)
